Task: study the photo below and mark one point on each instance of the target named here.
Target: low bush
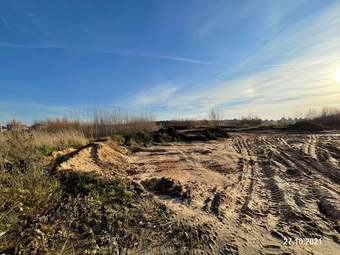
(44, 150)
(327, 116)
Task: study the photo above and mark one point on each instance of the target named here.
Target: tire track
(246, 181)
(295, 160)
(326, 170)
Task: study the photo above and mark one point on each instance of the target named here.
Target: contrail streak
(294, 64)
(173, 58)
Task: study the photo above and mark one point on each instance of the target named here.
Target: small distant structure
(282, 121)
(290, 121)
(16, 127)
(232, 122)
(268, 122)
(2, 128)
(163, 122)
(38, 126)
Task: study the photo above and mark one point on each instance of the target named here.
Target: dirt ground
(249, 194)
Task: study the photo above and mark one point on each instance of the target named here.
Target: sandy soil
(105, 157)
(247, 193)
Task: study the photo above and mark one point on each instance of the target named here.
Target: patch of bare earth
(252, 193)
(105, 157)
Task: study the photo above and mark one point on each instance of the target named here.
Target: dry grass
(59, 140)
(75, 131)
(19, 146)
(99, 121)
(22, 193)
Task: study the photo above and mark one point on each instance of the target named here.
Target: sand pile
(307, 126)
(103, 156)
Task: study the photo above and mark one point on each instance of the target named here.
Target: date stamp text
(302, 241)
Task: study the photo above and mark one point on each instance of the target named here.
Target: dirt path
(249, 192)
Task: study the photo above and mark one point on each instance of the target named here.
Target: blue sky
(176, 58)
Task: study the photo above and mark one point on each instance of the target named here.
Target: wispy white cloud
(304, 77)
(164, 94)
(295, 64)
(30, 14)
(3, 20)
(33, 46)
(173, 58)
(305, 37)
(208, 17)
(43, 30)
(276, 11)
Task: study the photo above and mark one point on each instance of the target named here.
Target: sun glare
(337, 75)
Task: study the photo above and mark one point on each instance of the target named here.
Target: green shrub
(118, 139)
(44, 150)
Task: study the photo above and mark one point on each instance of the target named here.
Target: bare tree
(215, 116)
(311, 114)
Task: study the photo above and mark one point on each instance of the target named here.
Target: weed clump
(111, 189)
(44, 150)
(118, 139)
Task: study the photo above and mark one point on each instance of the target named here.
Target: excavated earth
(250, 193)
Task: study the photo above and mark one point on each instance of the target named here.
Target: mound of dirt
(172, 135)
(164, 186)
(103, 156)
(307, 126)
(203, 134)
(193, 137)
(62, 153)
(146, 139)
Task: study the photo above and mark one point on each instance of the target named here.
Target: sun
(337, 75)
